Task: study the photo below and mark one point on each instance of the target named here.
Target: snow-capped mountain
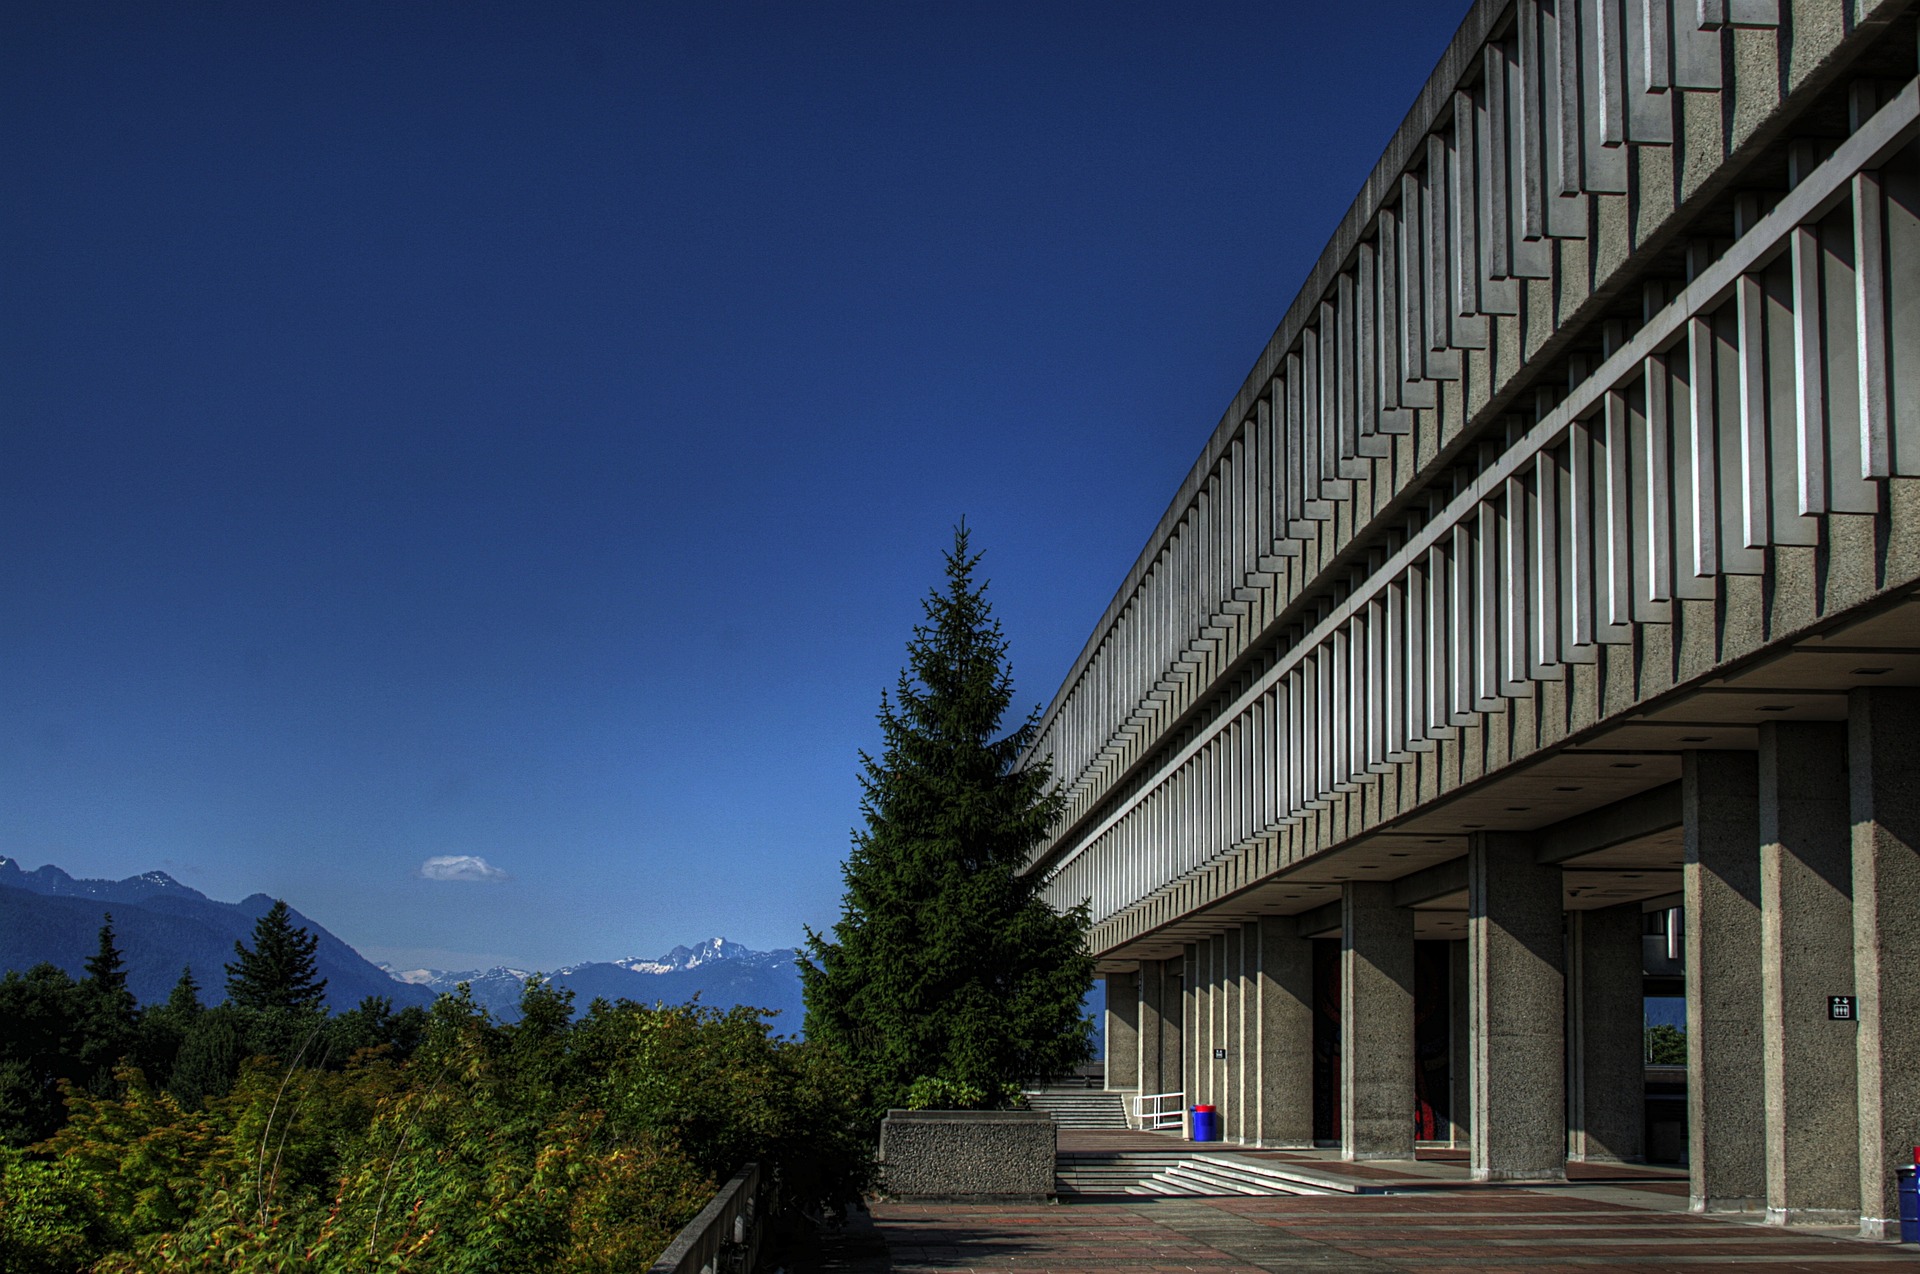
(717, 973)
(680, 959)
(444, 980)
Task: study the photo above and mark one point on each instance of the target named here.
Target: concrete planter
(966, 1155)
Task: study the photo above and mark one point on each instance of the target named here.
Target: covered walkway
(1443, 1230)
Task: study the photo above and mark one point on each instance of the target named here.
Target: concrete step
(1192, 1173)
(1155, 1186)
(1196, 1178)
(1109, 1172)
(1283, 1178)
(1187, 1173)
(1183, 1173)
(1093, 1110)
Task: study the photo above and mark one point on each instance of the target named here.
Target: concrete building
(1539, 620)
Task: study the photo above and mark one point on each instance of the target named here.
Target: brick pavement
(1436, 1231)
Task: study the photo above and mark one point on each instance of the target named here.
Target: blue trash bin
(1206, 1123)
(1909, 1206)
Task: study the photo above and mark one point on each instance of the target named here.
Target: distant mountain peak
(55, 883)
(717, 972)
(712, 951)
(161, 926)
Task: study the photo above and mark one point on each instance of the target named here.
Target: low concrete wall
(725, 1237)
(967, 1154)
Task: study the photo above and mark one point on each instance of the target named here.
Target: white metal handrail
(1155, 1111)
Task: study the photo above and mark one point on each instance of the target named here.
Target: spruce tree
(946, 964)
(278, 973)
(184, 1000)
(107, 1014)
(106, 980)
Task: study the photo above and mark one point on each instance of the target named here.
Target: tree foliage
(576, 1145)
(946, 963)
(1666, 1046)
(279, 971)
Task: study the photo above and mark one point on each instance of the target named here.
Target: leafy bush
(552, 1144)
(1666, 1046)
(932, 1093)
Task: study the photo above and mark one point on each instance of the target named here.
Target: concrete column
(1376, 1024)
(1247, 1038)
(1607, 1016)
(1173, 1009)
(1194, 1031)
(1151, 981)
(1123, 1032)
(1216, 1077)
(1884, 782)
(1203, 1003)
(1250, 1030)
(1806, 947)
(1233, 1069)
(1517, 989)
(1726, 1092)
(1283, 1048)
(1460, 1051)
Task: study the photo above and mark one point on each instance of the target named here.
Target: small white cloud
(459, 867)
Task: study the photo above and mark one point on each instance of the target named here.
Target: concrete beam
(1647, 814)
(1429, 883)
(1321, 922)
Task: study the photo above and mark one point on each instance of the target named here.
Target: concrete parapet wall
(967, 1154)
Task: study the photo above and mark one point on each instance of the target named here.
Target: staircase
(1081, 1109)
(1188, 1174)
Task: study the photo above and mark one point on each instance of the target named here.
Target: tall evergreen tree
(279, 972)
(164, 1028)
(106, 1013)
(184, 1000)
(106, 980)
(946, 963)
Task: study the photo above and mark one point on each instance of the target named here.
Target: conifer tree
(278, 973)
(946, 964)
(106, 1013)
(184, 1000)
(106, 980)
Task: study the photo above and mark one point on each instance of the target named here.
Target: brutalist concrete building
(1538, 633)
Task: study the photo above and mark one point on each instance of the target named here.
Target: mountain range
(162, 926)
(720, 973)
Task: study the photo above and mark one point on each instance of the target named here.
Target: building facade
(1538, 632)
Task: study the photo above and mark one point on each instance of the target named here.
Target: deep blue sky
(526, 431)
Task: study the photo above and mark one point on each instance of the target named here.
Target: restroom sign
(1840, 1008)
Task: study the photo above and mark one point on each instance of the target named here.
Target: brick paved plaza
(1448, 1231)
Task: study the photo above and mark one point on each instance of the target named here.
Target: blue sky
(525, 432)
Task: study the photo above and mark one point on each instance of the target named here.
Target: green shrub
(1666, 1046)
(555, 1144)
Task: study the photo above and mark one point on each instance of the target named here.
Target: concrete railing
(725, 1237)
